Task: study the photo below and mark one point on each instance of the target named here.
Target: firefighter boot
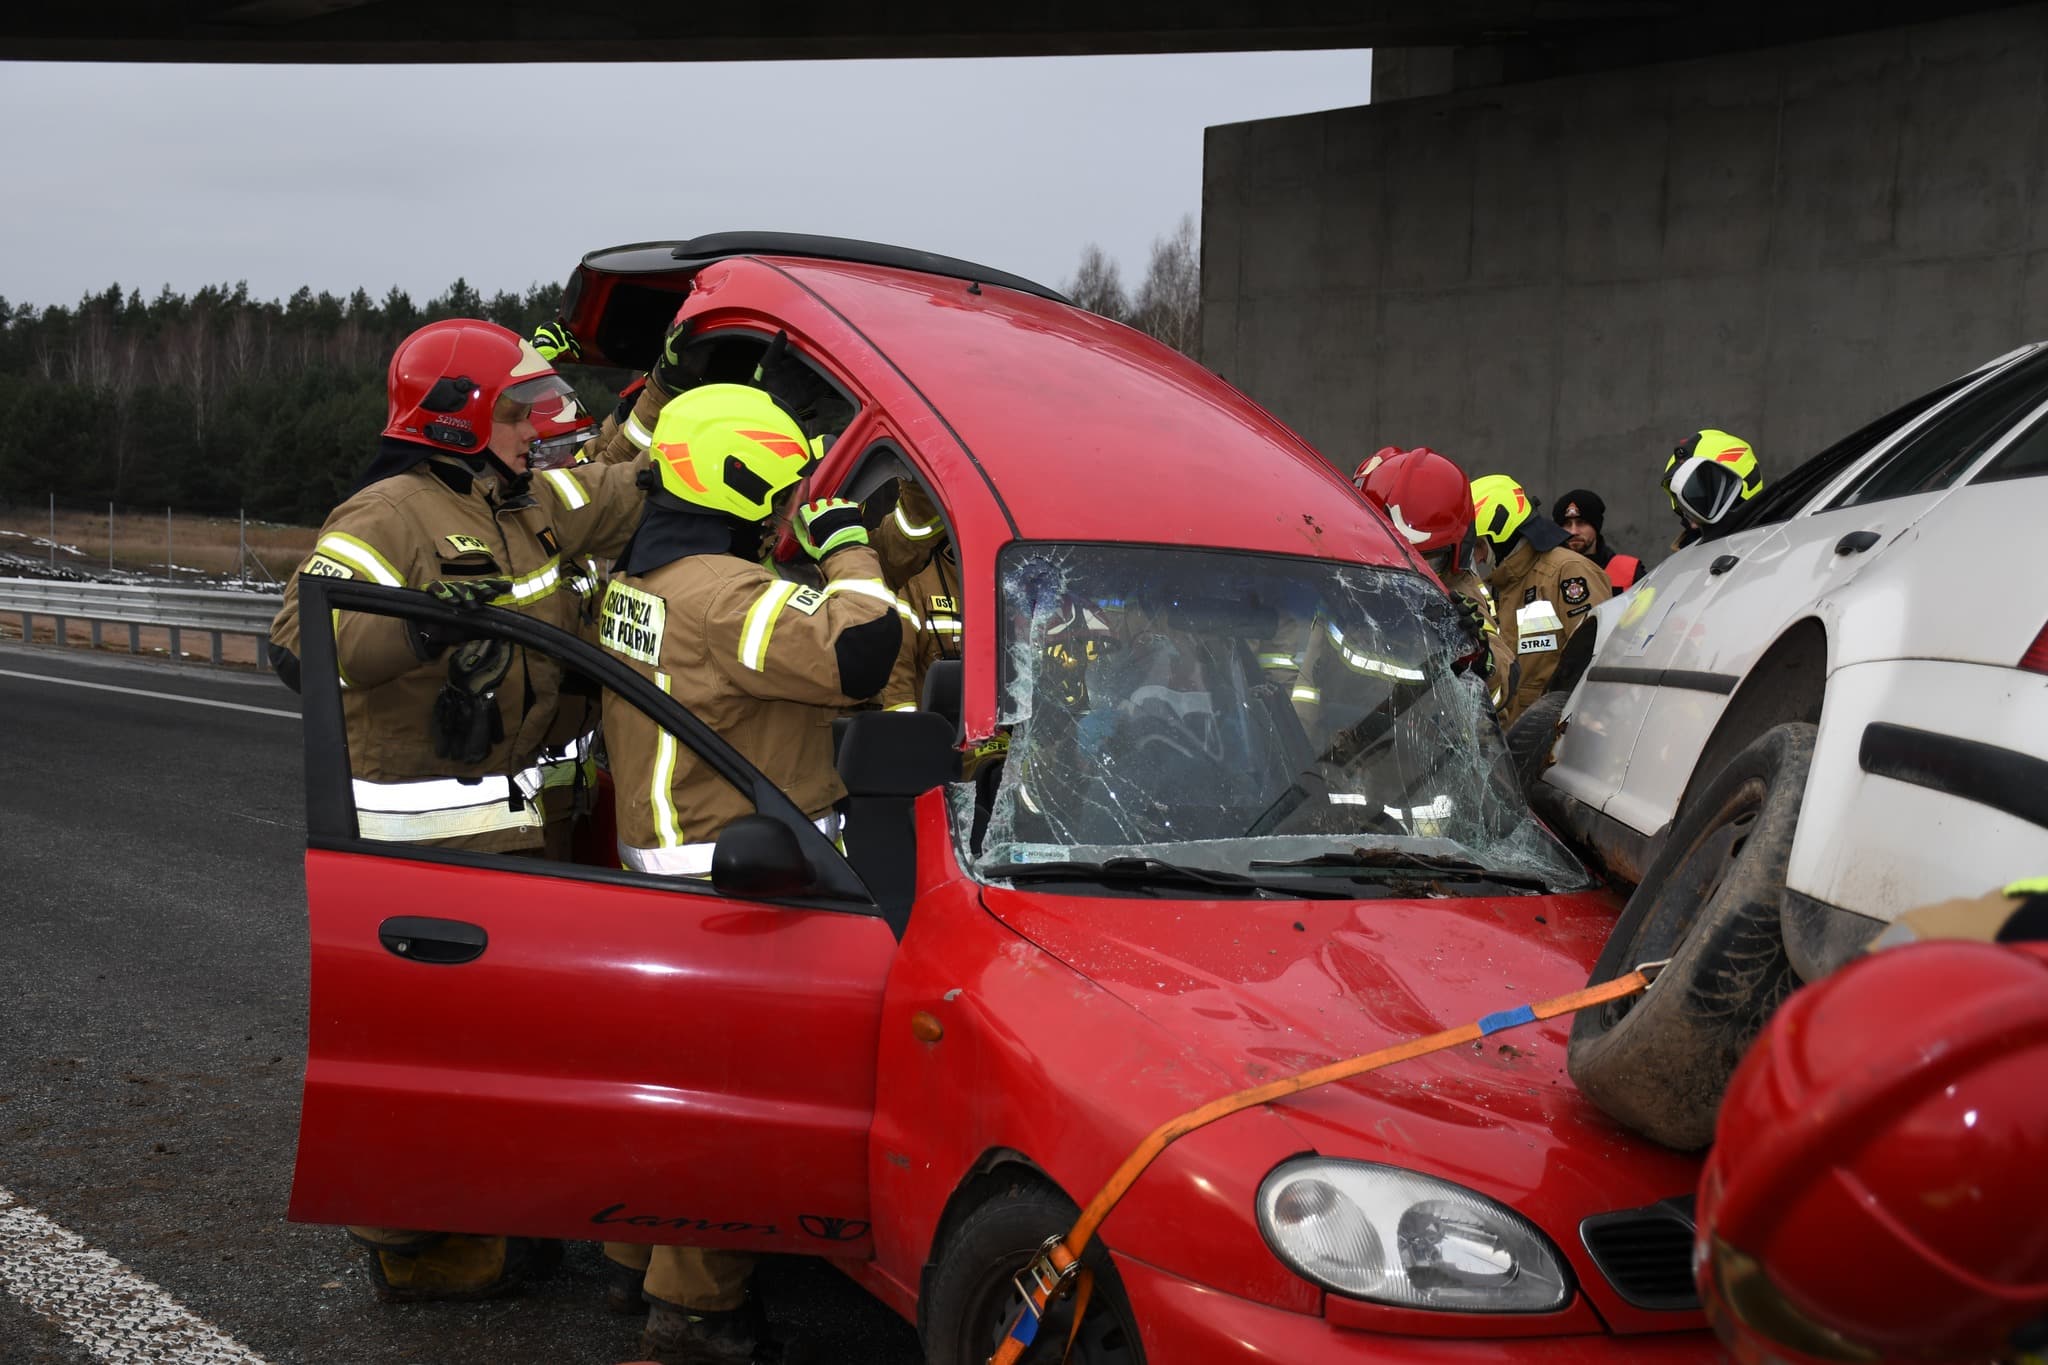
(454, 1266)
(693, 1336)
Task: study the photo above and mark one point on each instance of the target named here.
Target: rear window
(1935, 456)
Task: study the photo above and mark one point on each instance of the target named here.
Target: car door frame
(783, 1209)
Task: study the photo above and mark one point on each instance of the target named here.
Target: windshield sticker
(632, 623)
(1215, 711)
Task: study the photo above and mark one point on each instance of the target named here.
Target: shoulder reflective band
(1365, 663)
(2032, 886)
(760, 624)
(636, 433)
(1278, 661)
(694, 860)
(359, 555)
(915, 532)
(872, 587)
(567, 487)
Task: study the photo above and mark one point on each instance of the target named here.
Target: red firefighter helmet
(1373, 461)
(450, 380)
(1876, 1187)
(1429, 501)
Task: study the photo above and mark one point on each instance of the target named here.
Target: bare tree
(1098, 285)
(1169, 302)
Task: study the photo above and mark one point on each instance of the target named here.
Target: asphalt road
(153, 989)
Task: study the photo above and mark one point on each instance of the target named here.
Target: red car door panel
(624, 1062)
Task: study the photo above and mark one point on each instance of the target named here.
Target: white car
(1830, 710)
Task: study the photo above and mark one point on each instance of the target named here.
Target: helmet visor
(1703, 490)
(547, 394)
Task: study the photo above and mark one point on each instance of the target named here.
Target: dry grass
(200, 547)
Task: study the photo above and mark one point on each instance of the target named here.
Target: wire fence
(110, 543)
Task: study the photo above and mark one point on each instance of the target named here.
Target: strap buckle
(1045, 1278)
(1652, 970)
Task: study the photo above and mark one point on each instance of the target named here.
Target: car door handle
(1856, 542)
(1723, 564)
(440, 941)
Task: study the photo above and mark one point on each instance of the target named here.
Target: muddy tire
(1710, 902)
(972, 1299)
(1533, 735)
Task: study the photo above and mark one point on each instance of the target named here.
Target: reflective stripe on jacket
(755, 657)
(434, 521)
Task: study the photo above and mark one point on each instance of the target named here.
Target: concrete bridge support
(1557, 279)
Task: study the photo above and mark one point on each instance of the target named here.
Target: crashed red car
(1253, 816)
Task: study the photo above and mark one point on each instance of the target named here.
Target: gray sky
(343, 176)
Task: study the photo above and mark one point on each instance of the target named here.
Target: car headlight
(1392, 1236)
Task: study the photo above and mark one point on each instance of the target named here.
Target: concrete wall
(1558, 280)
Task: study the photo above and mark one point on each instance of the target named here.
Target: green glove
(429, 638)
(829, 524)
(556, 342)
(670, 368)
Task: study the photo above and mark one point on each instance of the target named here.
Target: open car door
(500, 1044)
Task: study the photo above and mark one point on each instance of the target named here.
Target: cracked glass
(1232, 711)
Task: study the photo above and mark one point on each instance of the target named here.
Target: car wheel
(973, 1298)
(1658, 1062)
(1533, 735)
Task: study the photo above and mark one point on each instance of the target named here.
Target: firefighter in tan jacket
(1545, 589)
(439, 751)
(767, 663)
(921, 566)
(449, 740)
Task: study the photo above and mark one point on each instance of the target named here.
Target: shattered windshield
(1236, 713)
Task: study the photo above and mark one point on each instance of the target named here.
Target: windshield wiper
(1393, 862)
(1128, 871)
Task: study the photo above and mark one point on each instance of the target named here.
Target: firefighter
(448, 738)
(766, 662)
(1874, 1191)
(1582, 515)
(921, 565)
(1708, 476)
(1429, 501)
(1549, 587)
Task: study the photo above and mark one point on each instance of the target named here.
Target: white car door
(1770, 577)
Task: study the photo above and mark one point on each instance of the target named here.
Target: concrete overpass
(1565, 233)
(1483, 38)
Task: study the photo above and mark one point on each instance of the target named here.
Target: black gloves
(429, 638)
(466, 723)
(1481, 628)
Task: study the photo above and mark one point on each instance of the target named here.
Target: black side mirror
(758, 858)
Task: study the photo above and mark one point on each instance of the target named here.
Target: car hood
(1258, 990)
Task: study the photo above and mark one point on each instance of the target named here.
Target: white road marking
(143, 692)
(112, 1312)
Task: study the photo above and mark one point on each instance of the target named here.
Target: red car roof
(1089, 430)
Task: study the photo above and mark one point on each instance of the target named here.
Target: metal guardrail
(210, 610)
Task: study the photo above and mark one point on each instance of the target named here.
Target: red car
(1252, 817)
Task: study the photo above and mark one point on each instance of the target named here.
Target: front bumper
(1186, 1322)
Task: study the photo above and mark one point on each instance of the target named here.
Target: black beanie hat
(1583, 503)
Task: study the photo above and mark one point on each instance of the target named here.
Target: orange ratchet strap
(1058, 1263)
